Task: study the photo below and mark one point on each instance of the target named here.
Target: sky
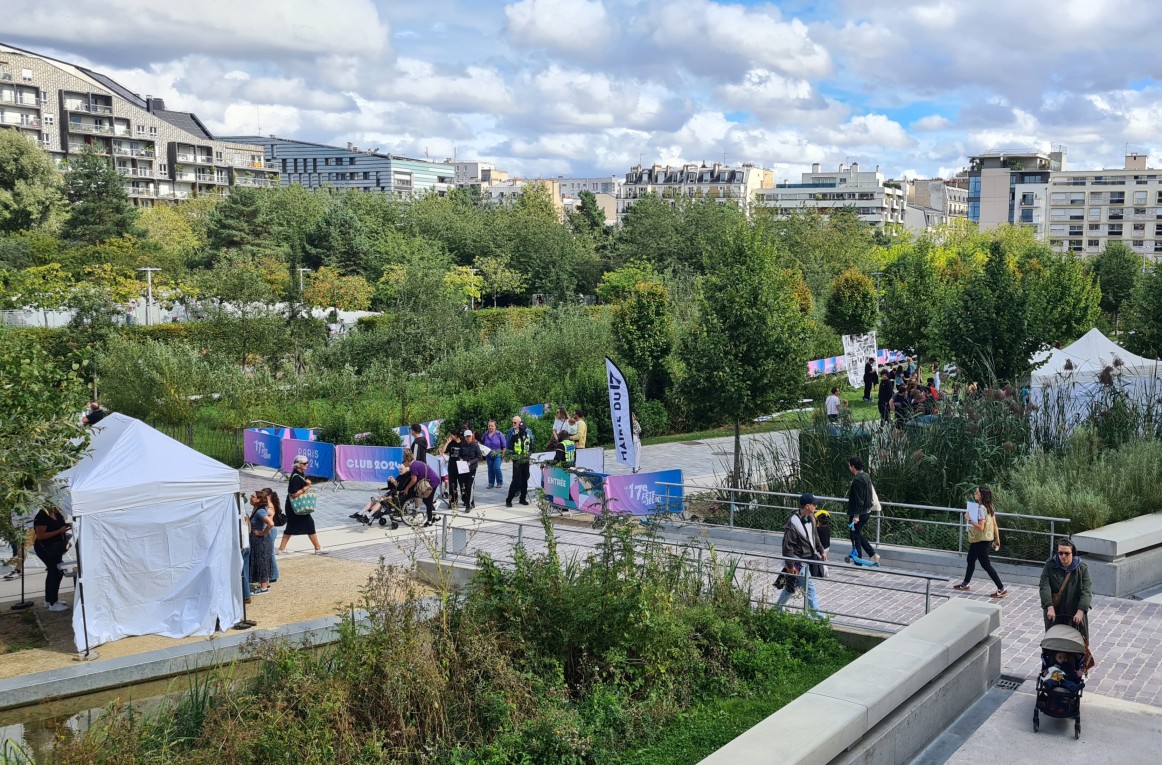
(546, 88)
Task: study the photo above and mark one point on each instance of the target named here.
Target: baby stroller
(1062, 677)
(395, 509)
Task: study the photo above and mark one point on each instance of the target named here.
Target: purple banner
(320, 457)
(372, 464)
(640, 494)
(261, 448)
(836, 364)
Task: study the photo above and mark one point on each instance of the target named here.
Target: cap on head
(806, 499)
(467, 433)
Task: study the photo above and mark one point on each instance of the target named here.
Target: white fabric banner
(171, 569)
(857, 349)
(619, 412)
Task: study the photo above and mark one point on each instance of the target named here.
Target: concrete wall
(887, 704)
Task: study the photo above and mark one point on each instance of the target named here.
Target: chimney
(855, 167)
(154, 104)
(816, 167)
(842, 168)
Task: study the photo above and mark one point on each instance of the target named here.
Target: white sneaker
(60, 605)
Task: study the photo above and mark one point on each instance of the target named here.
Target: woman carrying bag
(982, 535)
(299, 522)
(51, 532)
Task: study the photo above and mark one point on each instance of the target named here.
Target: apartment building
(164, 155)
(875, 200)
(476, 173)
(933, 202)
(507, 192)
(733, 185)
(1082, 211)
(317, 165)
(993, 178)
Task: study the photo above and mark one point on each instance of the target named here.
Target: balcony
(89, 108)
(139, 191)
(88, 127)
(122, 151)
(23, 121)
(257, 182)
(257, 165)
(185, 175)
(18, 99)
(212, 178)
(202, 159)
(135, 172)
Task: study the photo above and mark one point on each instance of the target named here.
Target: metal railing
(759, 563)
(746, 500)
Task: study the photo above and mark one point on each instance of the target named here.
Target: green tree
(851, 304)
(617, 284)
(101, 208)
(498, 278)
(154, 381)
(31, 194)
(464, 283)
(650, 231)
(237, 294)
(913, 299)
(45, 288)
(1116, 268)
(987, 327)
(338, 240)
(746, 354)
(1144, 315)
(642, 330)
(329, 288)
(1064, 299)
(39, 435)
(240, 222)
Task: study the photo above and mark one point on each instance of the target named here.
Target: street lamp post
(301, 270)
(149, 297)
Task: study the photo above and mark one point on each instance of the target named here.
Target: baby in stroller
(1063, 672)
(1062, 678)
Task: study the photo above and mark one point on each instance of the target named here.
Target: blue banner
(261, 447)
(430, 429)
(533, 411)
(320, 457)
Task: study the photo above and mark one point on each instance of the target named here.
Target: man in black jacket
(469, 453)
(884, 396)
(859, 507)
(801, 540)
(869, 378)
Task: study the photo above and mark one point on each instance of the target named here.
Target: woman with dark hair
(273, 506)
(451, 451)
(51, 531)
(261, 550)
(983, 534)
(297, 525)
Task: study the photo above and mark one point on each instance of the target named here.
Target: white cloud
(571, 26)
(932, 122)
(476, 89)
(869, 130)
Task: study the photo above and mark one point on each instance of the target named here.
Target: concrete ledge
(104, 674)
(1121, 539)
(448, 572)
(841, 711)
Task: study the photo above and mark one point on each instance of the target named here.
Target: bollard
(927, 595)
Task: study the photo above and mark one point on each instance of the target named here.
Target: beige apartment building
(874, 199)
(733, 185)
(163, 155)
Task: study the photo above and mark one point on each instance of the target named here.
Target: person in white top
(832, 405)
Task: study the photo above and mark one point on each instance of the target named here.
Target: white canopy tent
(157, 536)
(1071, 375)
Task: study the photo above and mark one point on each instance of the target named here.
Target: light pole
(149, 298)
(301, 270)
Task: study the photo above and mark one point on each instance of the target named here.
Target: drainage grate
(1006, 683)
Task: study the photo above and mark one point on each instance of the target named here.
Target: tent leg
(89, 654)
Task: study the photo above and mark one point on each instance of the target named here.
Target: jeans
(53, 576)
(979, 551)
(495, 475)
(812, 598)
(273, 557)
(245, 573)
(858, 543)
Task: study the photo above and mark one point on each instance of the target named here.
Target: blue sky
(586, 87)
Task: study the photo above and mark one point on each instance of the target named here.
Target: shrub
(653, 418)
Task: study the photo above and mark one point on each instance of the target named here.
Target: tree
(1144, 315)
(238, 294)
(617, 284)
(851, 306)
(39, 434)
(31, 194)
(174, 233)
(987, 327)
(100, 206)
(913, 299)
(1116, 268)
(240, 222)
(745, 355)
(464, 283)
(1064, 299)
(329, 288)
(45, 288)
(641, 330)
(338, 240)
(498, 278)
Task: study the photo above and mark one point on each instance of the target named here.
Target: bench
(1121, 539)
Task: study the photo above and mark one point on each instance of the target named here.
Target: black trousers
(453, 483)
(867, 391)
(979, 551)
(466, 484)
(858, 543)
(520, 482)
(429, 501)
(885, 411)
(54, 576)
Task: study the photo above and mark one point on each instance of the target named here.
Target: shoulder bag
(304, 504)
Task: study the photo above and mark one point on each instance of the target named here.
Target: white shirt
(832, 405)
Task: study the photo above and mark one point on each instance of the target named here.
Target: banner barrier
(370, 464)
(430, 429)
(857, 349)
(592, 458)
(534, 411)
(836, 364)
(261, 448)
(634, 494)
(320, 457)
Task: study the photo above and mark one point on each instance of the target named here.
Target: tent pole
(81, 589)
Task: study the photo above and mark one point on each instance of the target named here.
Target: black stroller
(1062, 677)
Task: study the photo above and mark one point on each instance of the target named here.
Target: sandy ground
(309, 587)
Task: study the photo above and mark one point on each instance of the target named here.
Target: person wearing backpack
(801, 540)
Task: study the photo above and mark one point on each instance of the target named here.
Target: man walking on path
(520, 446)
(1066, 590)
(801, 540)
(859, 507)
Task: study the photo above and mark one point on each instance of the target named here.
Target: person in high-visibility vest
(519, 446)
(566, 450)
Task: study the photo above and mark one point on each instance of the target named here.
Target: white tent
(1072, 373)
(157, 536)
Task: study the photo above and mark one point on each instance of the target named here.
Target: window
(1057, 230)
(1139, 243)
(1139, 197)
(1059, 213)
(153, 131)
(1140, 211)
(1115, 229)
(1095, 213)
(46, 138)
(163, 169)
(1117, 213)
(1139, 228)
(1117, 197)
(366, 175)
(26, 75)
(974, 211)
(1060, 198)
(1075, 231)
(326, 161)
(141, 130)
(217, 156)
(1026, 216)
(1095, 227)
(1092, 243)
(1097, 197)
(974, 190)
(351, 161)
(1075, 245)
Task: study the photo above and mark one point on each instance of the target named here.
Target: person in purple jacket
(495, 441)
(422, 482)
